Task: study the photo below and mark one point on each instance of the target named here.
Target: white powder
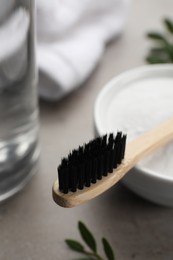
(139, 107)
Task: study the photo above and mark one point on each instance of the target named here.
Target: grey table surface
(32, 226)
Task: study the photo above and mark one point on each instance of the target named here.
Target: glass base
(21, 175)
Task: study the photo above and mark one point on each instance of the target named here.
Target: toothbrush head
(90, 162)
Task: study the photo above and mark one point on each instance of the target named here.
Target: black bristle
(87, 173)
(109, 152)
(100, 166)
(106, 163)
(110, 141)
(65, 180)
(123, 145)
(94, 171)
(91, 162)
(73, 178)
(81, 174)
(60, 176)
(115, 156)
(104, 142)
(111, 161)
(118, 143)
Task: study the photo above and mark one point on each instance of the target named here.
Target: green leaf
(108, 250)
(163, 51)
(75, 245)
(87, 236)
(155, 59)
(158, 51)
(86, 258)
(169, 25)
(161, 55)
(156, 36)
(169, 50)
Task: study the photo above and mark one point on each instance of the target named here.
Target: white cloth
(71, 40)
(72, 35)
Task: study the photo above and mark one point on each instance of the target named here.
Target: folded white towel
(71, 39)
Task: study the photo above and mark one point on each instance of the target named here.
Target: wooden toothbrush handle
(148, 142)
(135, 151)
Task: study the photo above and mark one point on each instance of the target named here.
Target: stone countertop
(32, 226)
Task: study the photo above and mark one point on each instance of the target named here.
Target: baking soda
(137, 108)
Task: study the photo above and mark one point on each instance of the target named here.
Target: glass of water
(19, 150)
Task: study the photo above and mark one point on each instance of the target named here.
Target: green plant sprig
(162, 52)
(90, 241)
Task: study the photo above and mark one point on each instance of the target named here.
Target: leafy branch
(162, 52)
(90, 241)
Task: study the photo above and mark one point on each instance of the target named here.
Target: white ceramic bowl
(151, 184)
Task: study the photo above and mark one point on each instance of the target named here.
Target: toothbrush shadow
(121, 194)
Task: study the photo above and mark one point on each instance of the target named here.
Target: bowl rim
(106, 88)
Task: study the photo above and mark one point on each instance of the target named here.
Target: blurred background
(48, 87)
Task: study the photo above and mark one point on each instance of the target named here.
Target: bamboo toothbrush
(82, 175)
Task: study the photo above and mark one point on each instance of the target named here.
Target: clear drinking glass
(18, 96)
